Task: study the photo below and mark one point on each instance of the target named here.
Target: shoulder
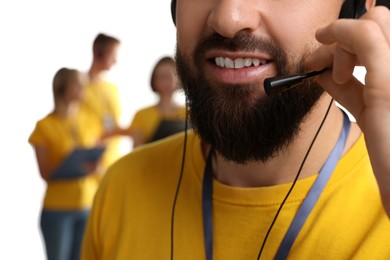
(157, 162)
(110, 85)
(106, 82)
(182, 111)
(46, 121)
(148, 110)
(42, 128)
(103, 84)
(151, 155)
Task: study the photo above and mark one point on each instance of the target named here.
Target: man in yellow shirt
(102, 96)
(263, 175)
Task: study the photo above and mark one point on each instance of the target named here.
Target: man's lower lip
(240, 76)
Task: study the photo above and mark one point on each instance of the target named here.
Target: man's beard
(238, 121)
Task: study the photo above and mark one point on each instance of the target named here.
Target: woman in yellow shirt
(166, 117)
(67, 201)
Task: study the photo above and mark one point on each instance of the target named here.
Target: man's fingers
(364, 38)
(343, 66)
(349, 95)
(381, 15)
(319, 59)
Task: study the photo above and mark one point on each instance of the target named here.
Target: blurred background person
(166, 117)
(66, 202)
(102, 95)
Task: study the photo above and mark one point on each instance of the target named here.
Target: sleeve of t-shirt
(37, 137)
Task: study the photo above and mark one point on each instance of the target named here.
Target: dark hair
(163, 60)
(352, 9)
(100, 44)
(383, 2)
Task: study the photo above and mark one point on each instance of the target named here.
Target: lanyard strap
(314, 193)
(207, 198)
(303, 212)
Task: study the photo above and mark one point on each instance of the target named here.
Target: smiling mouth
(238, 63)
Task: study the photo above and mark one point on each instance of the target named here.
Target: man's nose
(229, 17)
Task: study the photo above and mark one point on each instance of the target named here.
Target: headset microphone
(276, 85)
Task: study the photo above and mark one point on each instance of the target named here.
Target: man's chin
(239, 94)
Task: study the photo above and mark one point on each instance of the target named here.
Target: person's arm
(46, 170)
(118, 131)
(137, 126)
(115, 104)
(364, 42)
(138, 139)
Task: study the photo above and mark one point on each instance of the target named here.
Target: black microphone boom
(276, 85)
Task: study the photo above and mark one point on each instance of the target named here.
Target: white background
(36, 39)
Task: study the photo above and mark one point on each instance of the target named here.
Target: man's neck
(284, 167)
(167, 104)
(95, 73)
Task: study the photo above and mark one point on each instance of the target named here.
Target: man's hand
(365, 42)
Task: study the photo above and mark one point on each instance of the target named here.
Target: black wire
(179, 181)
(295, 180)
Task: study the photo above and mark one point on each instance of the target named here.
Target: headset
(273, 86)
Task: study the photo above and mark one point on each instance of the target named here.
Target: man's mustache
(240, 42)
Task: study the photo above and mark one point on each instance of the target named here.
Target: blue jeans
(63, 233)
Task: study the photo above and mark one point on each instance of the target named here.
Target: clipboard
(73, 165)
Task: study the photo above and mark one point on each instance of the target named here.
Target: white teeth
(220, 61)
(248, 62)
(238, 63)
(216, 60)
(229, 63)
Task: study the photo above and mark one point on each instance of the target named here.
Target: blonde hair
(61, 80)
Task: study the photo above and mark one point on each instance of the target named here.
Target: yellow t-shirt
(60, 137)
(131, 216)
(147, 120)
(102, 97)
